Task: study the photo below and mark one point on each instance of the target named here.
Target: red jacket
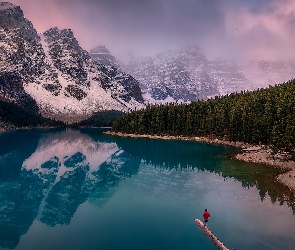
(206, 215)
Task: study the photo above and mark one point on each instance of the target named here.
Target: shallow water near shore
(81, 189)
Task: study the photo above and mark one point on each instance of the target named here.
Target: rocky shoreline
(6, 126)
(249, 153)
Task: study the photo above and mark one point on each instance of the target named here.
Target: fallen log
(207, 231)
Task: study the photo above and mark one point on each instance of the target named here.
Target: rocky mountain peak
(12, 17)
(55, 34)
(191, 50)
(103, 56)
(100, 49)
(20, 54)
(6, 5)
(14, 26)
(62, 44)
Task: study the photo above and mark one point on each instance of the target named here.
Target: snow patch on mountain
(69, 108)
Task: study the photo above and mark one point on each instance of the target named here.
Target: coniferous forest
(264, 116)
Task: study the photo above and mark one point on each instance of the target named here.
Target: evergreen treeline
(264, 116)
(101, 119)
(19, 116)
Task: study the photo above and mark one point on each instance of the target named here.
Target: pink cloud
(235, 29)
(265, 34)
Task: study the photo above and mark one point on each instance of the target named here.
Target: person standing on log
(206, 216)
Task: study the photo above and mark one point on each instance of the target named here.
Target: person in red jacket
(206, 216)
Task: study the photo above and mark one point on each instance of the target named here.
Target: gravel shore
(6, 126)
(250, 153)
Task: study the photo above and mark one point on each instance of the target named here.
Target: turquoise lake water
(81, 189)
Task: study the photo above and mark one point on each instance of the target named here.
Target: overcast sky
(238, 29)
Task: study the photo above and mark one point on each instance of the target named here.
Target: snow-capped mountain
(54, 71)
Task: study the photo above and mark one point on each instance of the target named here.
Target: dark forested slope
(101, 119)
(14, 115)
(263, 116)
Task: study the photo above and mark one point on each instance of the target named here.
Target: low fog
(233, 29)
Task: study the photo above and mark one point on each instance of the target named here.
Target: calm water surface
(81, 189)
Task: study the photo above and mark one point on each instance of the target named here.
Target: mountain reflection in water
(46, 175)
(65, 170)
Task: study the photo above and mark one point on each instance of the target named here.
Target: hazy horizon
(233, 29)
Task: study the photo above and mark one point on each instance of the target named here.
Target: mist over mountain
(187, 75)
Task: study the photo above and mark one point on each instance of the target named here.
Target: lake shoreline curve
(261, 154)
